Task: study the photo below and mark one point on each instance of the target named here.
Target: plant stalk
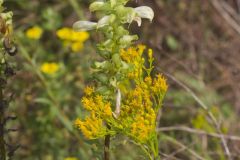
(107, 147)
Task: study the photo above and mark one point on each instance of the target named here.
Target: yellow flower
(97, 104)
(79, 36)
(70, 158)
(72, 38)
(108, 110)
(92, 127)
(71, 35)
(77, 46)
(49, 68)
(150, 53)
(34, 33)
(89, 90)
(159, 84)
(148, 80)
(141, 129)
(64, 33)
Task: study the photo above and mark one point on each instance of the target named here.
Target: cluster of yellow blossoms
(133, 55)
(139, 105)
(50, 68)
(72, 39)
(99, 109)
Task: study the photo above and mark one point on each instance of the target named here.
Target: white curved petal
(145, 12)
(84, 25)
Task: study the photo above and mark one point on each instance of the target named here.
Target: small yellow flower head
(77, 46)
(160, 84)
(72, 38)
(88, 103)
(70, 158)
(150, 53)
(89, 90)
(71, 35)
(64, 33)
(96, 104)
(108, 110)
(92, 127)
(34, 33)
(141, 129)
(141, 48)
(148, 80)
(79, 36)
(49, 68)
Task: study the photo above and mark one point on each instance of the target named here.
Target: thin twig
(197, 131)
(183, 146)
(171, 156)
(167, 157)
(216, 4)
(77, 8)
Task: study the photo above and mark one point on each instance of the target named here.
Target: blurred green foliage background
(193, 45)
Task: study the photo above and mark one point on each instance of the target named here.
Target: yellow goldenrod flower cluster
(139, 105)
(100, 110)
(72, 39)
(34, 32)
(70, 158)
(138, 110)
(96, 104)
(49, 68)
(133, 56)
(89, 90)
(159, 85)
(92, 127)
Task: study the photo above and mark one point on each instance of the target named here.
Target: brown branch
(106, 147)
(231, 21)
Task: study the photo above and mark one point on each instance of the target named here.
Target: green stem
(146, 151)
(77, 8)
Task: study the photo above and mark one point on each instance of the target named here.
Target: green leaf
(95, 6)
(127, 39)
(113, 3)
(43, 101)
(116, 60)
(172, 42)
